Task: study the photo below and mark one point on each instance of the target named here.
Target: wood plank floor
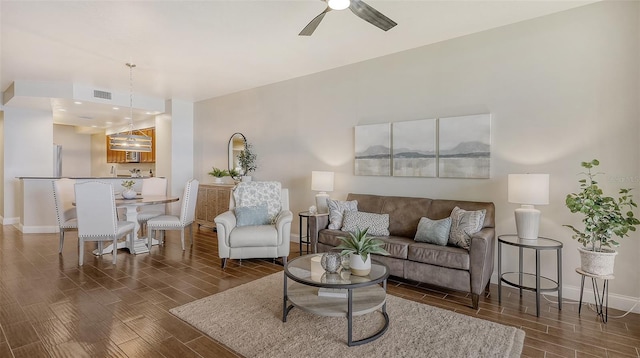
(51, 307)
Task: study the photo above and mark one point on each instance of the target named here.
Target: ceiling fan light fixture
(338, 4)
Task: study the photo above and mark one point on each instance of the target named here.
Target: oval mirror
(237, 143)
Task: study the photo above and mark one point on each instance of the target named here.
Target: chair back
(283, 194)
(189, 198)
(64, 195)
(96, 209)
(154, 186)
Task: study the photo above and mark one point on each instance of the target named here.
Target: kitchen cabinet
(117, 156)
(213, 200)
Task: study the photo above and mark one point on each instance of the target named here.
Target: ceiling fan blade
(371, 15)
(311, 26)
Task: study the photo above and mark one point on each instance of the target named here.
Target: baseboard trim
(37, 229)
(621, 302)
(10, 221)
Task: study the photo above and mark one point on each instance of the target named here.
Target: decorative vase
(597, 262)
(129, 193)
(330, 262)
(359, 267)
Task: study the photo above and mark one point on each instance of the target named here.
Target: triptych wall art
(451, 147)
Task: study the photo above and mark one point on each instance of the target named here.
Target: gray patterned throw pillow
(433, 231)
(378, 224)
(336, 211)
(463, 225)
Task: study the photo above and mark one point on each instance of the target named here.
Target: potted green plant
(234, 173)
(247, 160)
(219, 174)
(604, 218)
(128, 192)
(360, 246)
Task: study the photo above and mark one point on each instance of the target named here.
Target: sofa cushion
(337, 209)
(433, 231)
(377, 224)
(445, 256)
(463, 225)
(396, 246)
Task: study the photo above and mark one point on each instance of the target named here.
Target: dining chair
(63, 195)
(97, 218)
(172, 222)
(154, 187)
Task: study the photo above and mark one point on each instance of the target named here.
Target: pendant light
(133, 140)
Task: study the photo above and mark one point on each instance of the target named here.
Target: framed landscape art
(414, 148)
(464, 146)
(373, 149)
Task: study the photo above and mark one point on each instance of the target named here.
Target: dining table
(131, 213)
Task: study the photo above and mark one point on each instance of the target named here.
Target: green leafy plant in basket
(603, 215)
(360, 243)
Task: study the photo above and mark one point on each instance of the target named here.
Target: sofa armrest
(481, 254)
(225, 222)
(316, 223)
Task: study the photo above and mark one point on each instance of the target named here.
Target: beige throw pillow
(463, 225)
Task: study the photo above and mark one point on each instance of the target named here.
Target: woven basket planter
(597, 262)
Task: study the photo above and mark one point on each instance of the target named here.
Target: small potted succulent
(359, 246)
(604, 218)
(128, 192)
(218, 174)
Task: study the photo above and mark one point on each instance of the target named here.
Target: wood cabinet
(213, 200)
(117, 156)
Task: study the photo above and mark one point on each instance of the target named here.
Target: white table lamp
(528, 190)
(322, 182)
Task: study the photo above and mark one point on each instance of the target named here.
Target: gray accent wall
(561, 89)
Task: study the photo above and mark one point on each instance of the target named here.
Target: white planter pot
(218, 180)
(129, 194)
(246, 178)
(359, 267)
(597, 262)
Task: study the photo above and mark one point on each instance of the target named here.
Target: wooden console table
(213, 200)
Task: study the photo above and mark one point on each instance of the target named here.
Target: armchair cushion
(254, 236)
(259, 192)
(252, 215)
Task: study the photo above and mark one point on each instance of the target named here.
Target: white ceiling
(194, 50)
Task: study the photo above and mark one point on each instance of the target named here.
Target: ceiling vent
(101, 94)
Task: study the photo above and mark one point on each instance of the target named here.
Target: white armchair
(255, 241)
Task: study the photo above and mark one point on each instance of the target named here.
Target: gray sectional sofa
(446, 266)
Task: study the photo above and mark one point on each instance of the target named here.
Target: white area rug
(248, 319)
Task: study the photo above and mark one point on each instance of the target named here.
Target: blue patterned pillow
(433, 231)
(252, 215)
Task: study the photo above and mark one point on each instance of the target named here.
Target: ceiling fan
(358, 7)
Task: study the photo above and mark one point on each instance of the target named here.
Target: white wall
(561, 89)
(76, 151)
(28, 151)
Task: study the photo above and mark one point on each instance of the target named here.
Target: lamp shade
(321, 181)
(530, 189)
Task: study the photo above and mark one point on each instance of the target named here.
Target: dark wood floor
(51, 307)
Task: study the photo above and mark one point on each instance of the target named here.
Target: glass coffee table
(344, 295)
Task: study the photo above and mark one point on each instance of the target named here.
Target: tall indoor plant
(247, 160)
(360, 246)
(604, 218)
